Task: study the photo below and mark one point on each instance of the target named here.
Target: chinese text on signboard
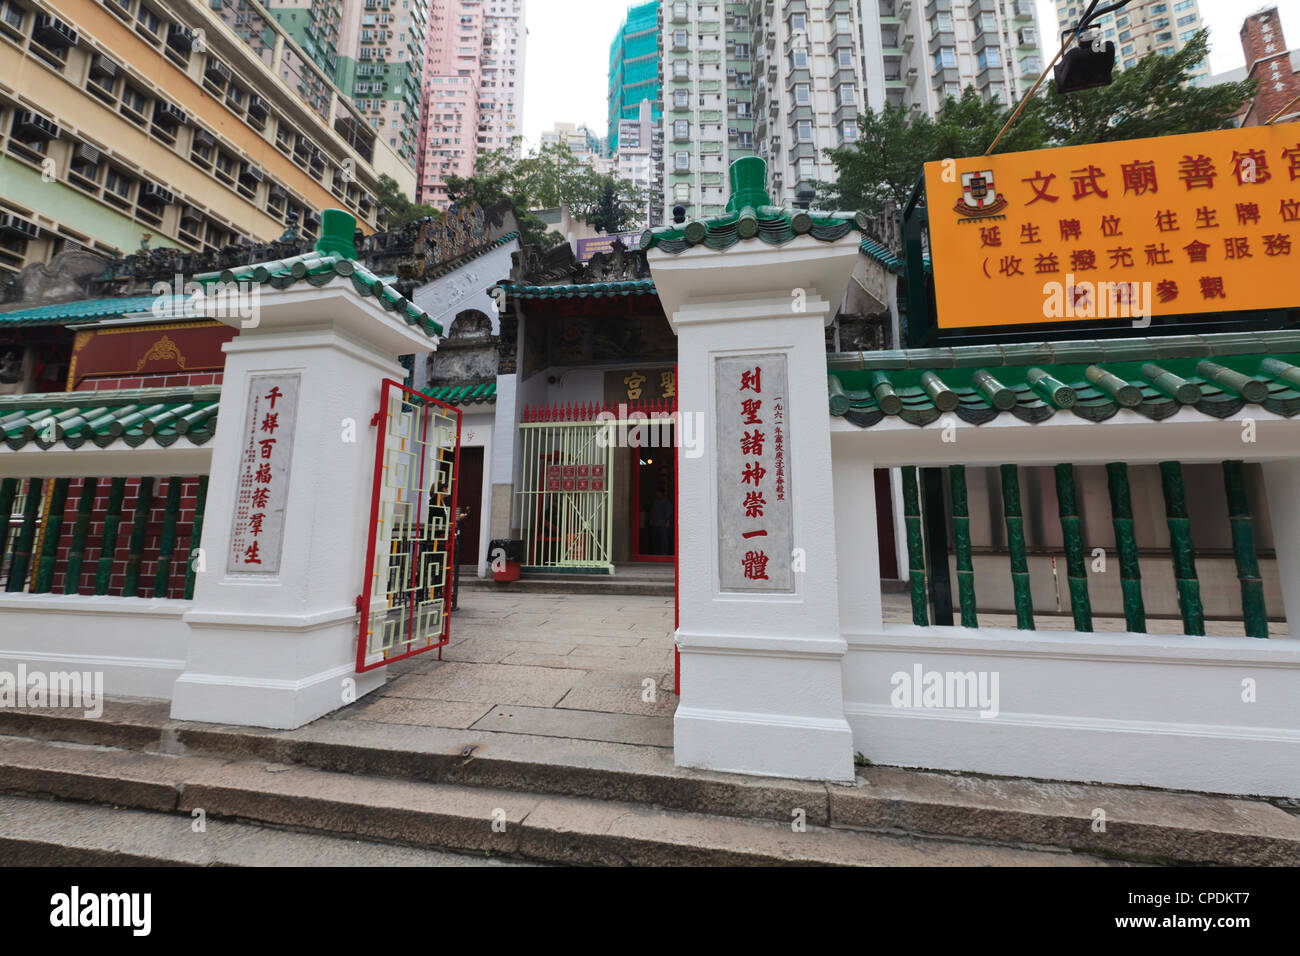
(755, 536)
(1204, 222)
(257, 533)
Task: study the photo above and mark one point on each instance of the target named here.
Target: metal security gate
(412, 529)
(566, 502)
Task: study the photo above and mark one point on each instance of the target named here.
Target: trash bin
(504, 557)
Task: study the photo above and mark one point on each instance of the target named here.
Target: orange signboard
(1202, 222)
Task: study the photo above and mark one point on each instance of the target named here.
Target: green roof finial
(748, 184)
(337, 229)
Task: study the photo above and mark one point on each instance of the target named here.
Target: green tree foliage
(400, 209)
(1153, 98)
(543, 179)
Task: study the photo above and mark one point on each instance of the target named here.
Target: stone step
(443, 817)
(1140, 824)
(576, 584)
(41, 832)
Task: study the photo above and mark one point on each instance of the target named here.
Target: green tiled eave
(463, 394)
(771, 224)
(318, 269)
(1217, 375)
(586, 291)
(89, 310)
(102, 418)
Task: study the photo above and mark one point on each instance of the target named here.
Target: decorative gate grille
(412, 529)
(566, 504)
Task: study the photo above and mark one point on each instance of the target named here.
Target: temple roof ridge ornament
(750, 214)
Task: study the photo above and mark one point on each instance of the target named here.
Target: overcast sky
(567, 70)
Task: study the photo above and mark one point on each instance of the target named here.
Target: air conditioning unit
(180, 37)
(87, 154)
(53, 32)
(12, 225)
(312, 219)
(257, 106)
(103, 66)
(1028, 36)
(217, 71)
(35, 125)
(154, 195)
(203, 138)
(252, 174)
(169, 114)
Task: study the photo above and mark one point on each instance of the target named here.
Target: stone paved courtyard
(577, 666)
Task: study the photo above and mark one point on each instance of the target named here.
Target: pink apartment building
(472, 88)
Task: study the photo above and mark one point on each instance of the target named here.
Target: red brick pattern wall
(169, 380)
(153, 536)
(1265, 48)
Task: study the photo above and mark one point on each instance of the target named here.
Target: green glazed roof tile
(1237, 361)
(463, 394)
(131, 416)
(89, 310)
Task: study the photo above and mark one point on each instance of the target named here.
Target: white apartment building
(919, 53)
(501, 90)
(786, 79)
(639, 160)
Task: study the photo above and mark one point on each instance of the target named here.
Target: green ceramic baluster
(1130, 571)
(53, 530)
(108, 544)
(22, 556)
(1253, 610)
(139, 531)
(961, 541)
(167, 544)
(1180, 544)
(915, 547)
(80, 532)
(196, 535)
(1072, 533)
(1016, 544)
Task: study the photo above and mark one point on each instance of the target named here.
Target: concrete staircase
(129, 788)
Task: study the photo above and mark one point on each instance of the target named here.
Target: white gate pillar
(274, 644)
(1281, 479)
(761, 659)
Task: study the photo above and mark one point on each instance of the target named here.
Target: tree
(543, 179)
(1153, 98)
(400, 209)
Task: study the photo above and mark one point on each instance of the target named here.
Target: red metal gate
(408, 575)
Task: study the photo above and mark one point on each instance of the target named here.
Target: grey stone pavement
(577, 666)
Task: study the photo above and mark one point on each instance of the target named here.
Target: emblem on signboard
(979, 198)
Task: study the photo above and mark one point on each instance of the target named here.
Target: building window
(945, 56)
(942, 23)
(682, 129)
(799, 59)
(845, 57)
(803, 131)
(682, 160)
(849, 132)
(802, 93)
(679, 69)
(798, 23)
(844, 95)
(681, 98)
(988, 58)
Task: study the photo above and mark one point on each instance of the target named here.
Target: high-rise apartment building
(707, 70)
(452, 81)
(473, 89)
(501, 107)
(374, 52)
(919, 54)
(172, 124)
(788, 79)
(634, 69)
(639, 160)
(1144, 26)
